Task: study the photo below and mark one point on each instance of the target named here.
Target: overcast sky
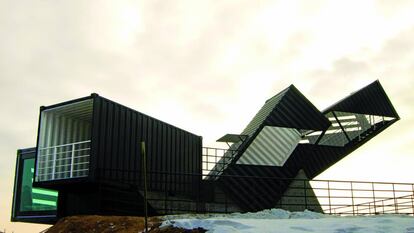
(206, 66)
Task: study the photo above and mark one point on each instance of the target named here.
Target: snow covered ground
(276, 220)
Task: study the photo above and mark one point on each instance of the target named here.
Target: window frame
(40, 216)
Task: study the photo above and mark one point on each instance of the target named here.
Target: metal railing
(174, 193)
(63, 161)
(389, 205)
(366, 198)
(215, 160)
(332, 197)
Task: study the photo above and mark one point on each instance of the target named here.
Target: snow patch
(278, 221)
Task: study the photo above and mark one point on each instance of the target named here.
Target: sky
(205, 66)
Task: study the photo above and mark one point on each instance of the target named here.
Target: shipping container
(289, 136)
(95, 140)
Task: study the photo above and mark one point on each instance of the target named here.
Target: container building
(93, 141)
(89, 152)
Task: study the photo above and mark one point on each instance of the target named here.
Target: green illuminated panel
(45, 192)
(35, 199)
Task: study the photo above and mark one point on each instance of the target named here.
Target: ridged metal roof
(288, 109)
(371, 100)
(294, 110)
(264, 113)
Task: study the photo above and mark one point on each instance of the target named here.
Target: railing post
(215, 156)
(369, 207)
(329, 198)
(72, 160)
(54, 163)
(306, 199)
(412, 199)
(225, 201)
(395, 200)
(352, 199)
(144, 157)
(199, 178)
(373, 196)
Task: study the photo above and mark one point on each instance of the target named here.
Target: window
(31, 204)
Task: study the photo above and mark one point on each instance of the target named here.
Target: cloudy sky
(205, 66)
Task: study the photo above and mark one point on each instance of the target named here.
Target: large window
(34, 199)
(31, 204)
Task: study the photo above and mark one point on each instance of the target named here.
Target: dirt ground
(106, 224)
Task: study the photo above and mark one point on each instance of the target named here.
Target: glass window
(36, 205)
(35, 199)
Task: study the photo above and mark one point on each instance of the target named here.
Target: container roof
(232, 138)
(294, 110)
(370, 100)
(289, 109)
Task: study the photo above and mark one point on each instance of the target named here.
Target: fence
(325, 196)
(174, 192)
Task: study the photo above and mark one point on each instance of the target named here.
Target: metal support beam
(320, 137)
(340, 125)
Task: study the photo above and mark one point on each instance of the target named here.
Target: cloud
(389, 8)
(206, 67)
(394, 66)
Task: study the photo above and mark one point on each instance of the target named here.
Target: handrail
(68, 144)
(51, 166)
(188, 187)
(220, 161)
(298, 179)
(368, 203)
(67, 151)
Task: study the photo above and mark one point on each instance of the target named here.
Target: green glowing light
(44, 202)
(45, 192)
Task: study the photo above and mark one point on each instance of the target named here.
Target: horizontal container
(93, 139)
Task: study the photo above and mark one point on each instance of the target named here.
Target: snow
(277, 220)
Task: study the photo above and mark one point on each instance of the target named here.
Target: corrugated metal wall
(65, 124)
(259, 155)
(117, 132)
(256, 188)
